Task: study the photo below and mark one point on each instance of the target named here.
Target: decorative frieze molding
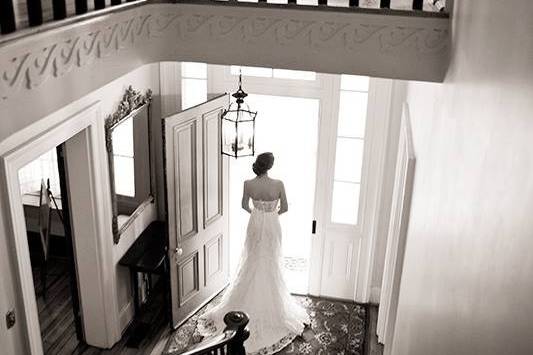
(345, 42)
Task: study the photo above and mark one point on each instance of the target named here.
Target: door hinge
(313, 227)
(10, 319)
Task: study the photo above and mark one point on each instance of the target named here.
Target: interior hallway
(57, 319)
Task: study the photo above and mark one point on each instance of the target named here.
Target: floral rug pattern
(336, 328)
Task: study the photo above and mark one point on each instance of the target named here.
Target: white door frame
(219, 79)
(372, 176)
(326, 88)
(378, 120)
(101, 302)
(397, 234)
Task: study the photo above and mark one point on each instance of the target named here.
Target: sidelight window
(349, 149)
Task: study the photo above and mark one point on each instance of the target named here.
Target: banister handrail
(231, 339)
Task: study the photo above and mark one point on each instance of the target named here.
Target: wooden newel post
(237, 321)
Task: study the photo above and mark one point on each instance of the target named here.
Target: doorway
(294, 123)
(47, 216)
(329, 136)
(82, 135)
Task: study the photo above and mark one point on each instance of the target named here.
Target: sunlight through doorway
(287, 127)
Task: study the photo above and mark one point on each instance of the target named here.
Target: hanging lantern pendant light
(238, 126)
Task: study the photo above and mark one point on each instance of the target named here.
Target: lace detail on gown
(259, 289)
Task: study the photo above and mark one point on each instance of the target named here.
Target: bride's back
(263, 188)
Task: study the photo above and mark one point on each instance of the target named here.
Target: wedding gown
(259, 289)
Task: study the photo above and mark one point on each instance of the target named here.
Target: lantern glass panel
(245, 138)
(238, 132)
(229, 133)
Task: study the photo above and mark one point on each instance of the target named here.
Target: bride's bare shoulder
(278, 182)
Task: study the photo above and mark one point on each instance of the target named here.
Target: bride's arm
(246, 200)
(284, 206)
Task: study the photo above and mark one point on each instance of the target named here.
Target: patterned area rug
(336, 328)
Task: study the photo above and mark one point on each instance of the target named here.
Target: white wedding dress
(259, 289)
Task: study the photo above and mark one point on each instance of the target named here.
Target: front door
(197, 206)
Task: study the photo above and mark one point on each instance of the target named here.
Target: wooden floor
(56, 319)
(59, 335)
(372, 347)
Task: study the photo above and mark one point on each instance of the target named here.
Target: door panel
(188, 279)
(185, 156)
(212, 172)
(214, 259)
(339, 273)
(197, 195)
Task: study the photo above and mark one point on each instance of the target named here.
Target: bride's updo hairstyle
(263, 163)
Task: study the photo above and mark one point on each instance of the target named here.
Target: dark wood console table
(148, 255)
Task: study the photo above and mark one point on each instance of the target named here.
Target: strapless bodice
(265, 206)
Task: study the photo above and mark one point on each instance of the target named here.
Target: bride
(259, 288)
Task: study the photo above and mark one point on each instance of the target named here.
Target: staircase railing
(14, 15)
(230, 342)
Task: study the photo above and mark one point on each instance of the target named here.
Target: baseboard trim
(375, 294)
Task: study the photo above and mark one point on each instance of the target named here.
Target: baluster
(60, 9)
(99, 4)
(81, 6)
(385, 4)
(417, 4)
(35, 12)
(291, 2)
(7, 17)
(353, 3)
(323, 2)
(239, 321)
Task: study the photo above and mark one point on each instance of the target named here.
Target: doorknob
(179, 251)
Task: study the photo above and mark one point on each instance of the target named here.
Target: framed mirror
(128, 147)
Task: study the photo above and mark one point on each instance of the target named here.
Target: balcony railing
(19, 14)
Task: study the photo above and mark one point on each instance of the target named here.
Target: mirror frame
(132, 102)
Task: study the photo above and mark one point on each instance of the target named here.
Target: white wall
(467, 283)
(144, 77)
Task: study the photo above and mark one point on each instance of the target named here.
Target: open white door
(197, 206)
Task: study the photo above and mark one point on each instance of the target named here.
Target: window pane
(354, 82)
(252, 71)
(123, 138)
(349, 159)
(193, 92)
(194, 70)
(44, 167)
(345, 206)
(124, 176)
(294, 74)
(352, 114)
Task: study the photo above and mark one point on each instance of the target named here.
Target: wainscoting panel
(339, 274)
